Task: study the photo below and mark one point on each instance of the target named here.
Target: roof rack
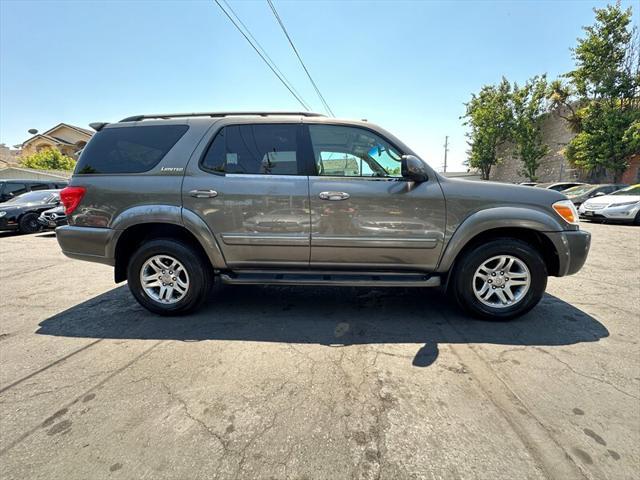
(137, 118)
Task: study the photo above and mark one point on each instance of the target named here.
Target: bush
(49, 159)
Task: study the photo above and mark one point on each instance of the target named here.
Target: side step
(351, 279)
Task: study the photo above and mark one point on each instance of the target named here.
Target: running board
(351, 279)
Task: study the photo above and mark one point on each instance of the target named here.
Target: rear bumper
(573, 249)
(87, 243)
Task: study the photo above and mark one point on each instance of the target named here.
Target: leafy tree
(49, 159)
(489, 116)
(603, 95)
(529, 104)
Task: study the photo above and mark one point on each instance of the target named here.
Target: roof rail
(137, 118)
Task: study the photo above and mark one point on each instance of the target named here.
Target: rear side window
(14, 189)
(269, 149)
(39, 186)
(128, 149)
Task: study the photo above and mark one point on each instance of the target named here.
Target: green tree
(489, 117)
(49, 159)
(529, 105)
(602, 98)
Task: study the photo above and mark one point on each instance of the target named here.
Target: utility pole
(446, 149)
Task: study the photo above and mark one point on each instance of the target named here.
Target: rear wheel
(29, 223)
(169, 277)
(500, 280)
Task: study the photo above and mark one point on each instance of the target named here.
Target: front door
(250, 191)
(364, 215)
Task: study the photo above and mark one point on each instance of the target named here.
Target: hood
(613, 199)
(57, 210)
(506, 193)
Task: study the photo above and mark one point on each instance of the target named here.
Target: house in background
(68, 139)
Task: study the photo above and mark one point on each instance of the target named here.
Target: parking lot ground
(316, 383)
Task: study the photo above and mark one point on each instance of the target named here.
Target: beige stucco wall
(554, 166)
(36, 146)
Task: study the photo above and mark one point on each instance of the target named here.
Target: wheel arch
(143, 223)
(528, 225)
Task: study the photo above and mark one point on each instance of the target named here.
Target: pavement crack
(584, 375)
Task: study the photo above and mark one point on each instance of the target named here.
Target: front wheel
(29, 223)
(499, 280)
(169, 277)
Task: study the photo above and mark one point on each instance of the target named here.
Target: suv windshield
(34, 197)
(579, 190)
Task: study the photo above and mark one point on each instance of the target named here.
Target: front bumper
(624, 213)
(572, 247)
(8, 224)
(87, 243)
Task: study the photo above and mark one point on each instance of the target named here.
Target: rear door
(251, 190)
(364, 215)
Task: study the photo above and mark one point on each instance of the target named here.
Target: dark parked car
(558, 186)
(21, 213)
(174, 201)
(12, 188)
(580, 194)
(53, 218)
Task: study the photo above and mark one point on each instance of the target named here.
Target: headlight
(625, 204)
(567, 210)
(2, 214)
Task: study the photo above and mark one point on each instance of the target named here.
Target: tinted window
(128, 149)
(353, 152)
(39, 186)
(13, 189)
(265, 148)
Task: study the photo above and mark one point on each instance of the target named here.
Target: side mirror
(600, 194)
(412, 168)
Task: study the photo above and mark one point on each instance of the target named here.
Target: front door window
(353, 152)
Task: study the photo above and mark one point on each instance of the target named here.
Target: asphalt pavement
(316, 383)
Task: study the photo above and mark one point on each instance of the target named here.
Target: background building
(69, 139)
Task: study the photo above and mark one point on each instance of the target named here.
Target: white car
(623, 205)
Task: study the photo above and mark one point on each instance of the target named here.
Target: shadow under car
(313, 314)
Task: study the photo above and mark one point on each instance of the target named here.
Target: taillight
(71, 197)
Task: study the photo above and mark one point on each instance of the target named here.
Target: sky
(408, 66)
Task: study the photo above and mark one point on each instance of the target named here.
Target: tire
(29, 223)
(464, 281)
(636, 219)
(196, 273)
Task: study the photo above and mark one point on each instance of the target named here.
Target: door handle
(203, 193)
(333, 196)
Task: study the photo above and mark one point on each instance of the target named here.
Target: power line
(284, 82)
(324, 102)
(265, 52)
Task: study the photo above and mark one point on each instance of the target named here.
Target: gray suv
(174, 201)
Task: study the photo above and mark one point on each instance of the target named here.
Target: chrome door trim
(294, 240)
(372, 242)
(263, 176)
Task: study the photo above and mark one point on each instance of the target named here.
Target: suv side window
(39, 186)
(128, 149)
(13, 190)
(269, 149)
(353, 152)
